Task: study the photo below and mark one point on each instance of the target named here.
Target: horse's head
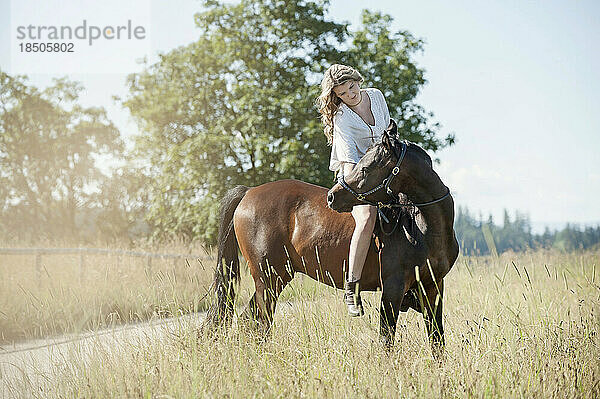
(379, 163)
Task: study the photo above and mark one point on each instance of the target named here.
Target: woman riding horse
(288, 226)
(354, 119)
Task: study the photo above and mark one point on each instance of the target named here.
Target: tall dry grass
(521, 325)
(111, 290)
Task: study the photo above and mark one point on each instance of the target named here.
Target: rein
(385, 184)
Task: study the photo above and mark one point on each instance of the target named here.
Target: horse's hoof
(438, 352)
(387, 343)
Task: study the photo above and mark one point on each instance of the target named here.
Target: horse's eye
(364, 171)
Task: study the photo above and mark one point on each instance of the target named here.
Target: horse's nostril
(329, 198)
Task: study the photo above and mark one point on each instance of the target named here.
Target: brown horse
(286, 226)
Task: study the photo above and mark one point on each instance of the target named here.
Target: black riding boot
(352, 298)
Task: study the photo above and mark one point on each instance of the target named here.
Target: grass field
(521, 325)
(110, 291)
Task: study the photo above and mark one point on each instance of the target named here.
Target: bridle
(385, 184)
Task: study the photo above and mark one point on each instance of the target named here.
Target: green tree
(49, 150)
(237, 105)
(120, 206)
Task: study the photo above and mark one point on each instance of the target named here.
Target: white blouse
(352, 136)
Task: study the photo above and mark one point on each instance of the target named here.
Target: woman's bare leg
(364, 217)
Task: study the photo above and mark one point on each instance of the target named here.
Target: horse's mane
(421, 152)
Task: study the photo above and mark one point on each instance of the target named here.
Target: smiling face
(348, 92)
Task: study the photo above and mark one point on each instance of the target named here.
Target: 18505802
(46, 47)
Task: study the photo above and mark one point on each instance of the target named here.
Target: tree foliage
(237, 105)
(478, 237)
(49, 150)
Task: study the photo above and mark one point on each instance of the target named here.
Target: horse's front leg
(391, 300)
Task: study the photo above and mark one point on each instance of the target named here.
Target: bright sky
(517, 81)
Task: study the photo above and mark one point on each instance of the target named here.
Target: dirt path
(35, 360)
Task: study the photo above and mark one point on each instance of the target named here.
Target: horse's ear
(390, 137)
(385, 140)
(392, 128)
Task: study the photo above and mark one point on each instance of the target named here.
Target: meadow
(111, 290)
(517, 325)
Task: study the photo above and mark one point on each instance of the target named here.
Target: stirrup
(352, 298)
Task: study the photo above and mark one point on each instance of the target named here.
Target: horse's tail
(227, 271)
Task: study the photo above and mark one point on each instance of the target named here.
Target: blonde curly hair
(327, 101)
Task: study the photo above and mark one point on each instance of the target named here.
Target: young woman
(353, 119)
